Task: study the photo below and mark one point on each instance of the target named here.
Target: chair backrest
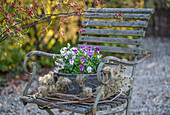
(134, 20)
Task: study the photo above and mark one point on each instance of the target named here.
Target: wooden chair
(135, 20)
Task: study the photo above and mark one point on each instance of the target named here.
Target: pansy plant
(73, 60)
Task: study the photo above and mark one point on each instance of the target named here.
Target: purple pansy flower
(61, 60)
(75, 51)
(67, 49)
(62, 66)
(55, 70)
(66, 56)
(97, 49)
(89, 48)
(83, 47)
(56, 62)
(83, 59)
(90, 54)
(81, 68)
(71, 61)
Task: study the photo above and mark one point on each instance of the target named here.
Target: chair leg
(97, 99)
(130, 92)
(128, 103)
(25, 92)
(49, 112)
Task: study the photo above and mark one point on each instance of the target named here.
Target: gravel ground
(151, 94)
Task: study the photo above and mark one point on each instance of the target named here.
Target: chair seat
(78, 108)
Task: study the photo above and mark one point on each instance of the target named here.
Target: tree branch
(47, 19)
(38, 22)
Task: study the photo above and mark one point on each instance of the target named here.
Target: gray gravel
(151, 94)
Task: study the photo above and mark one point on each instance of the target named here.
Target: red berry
(13, 3)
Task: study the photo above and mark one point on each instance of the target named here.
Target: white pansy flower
(68, 44)
(68, 52)
(89, 69)
(99, 56)
(56, 69)
(66, 56)
(73, 53)
(63, 50)
(71, 61)
(61, 60)
(74, 57)
(73, 48)
(56, 63)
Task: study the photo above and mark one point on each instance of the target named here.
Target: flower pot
(75, 88)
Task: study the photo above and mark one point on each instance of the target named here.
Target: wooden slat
(102, 107)
(113, 104)
(141, 24)
(110, 40)
(112, 15)
(87, 107)
(122, 10)
(114, 32)
(117, 49)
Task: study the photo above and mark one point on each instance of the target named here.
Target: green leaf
(3, 68)
(9, 60)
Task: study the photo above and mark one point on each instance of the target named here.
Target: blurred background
(13, 50)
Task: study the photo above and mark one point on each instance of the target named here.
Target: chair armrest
(116, 61)
(122, 61)
(38, 53)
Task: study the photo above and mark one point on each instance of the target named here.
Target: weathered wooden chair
(133, 18)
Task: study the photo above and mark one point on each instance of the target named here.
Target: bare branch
(107, 3)
(42, 20)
